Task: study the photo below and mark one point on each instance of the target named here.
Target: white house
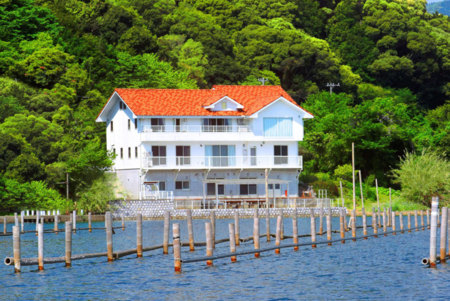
(208, 142)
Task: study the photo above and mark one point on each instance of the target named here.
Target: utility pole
(332, 85)
(263, 80)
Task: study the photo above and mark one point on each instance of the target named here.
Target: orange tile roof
(191, 102)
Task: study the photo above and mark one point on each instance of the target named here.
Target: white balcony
(196, 132)
(222, 162)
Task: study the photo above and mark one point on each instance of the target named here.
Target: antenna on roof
(263, 80)
(332, 85)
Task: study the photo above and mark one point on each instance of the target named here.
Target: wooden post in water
(278, 234)
(232, 241)
(354, 224)
(123, 222)
(379, 217)
(313, 229)
(329, 226)
(236, 228)
(361, 189)
(90, 221)
(22, 221)
(282, 225)
(190, 230)
(166, 232)
(342, 194)
(393, 222)
(433, 231)
(41, 247)
(345, 220)
(321, 220)
(213, 228)
(268, 224)
(209, 242)
(109, 239)
(444, 224)
(416, 221)
(68, 244)
(374, 222)
(389, 209)
(55, 224)
(256, 232)
(5, 225)
(400, 219)
(421, 220)
(364, 221)
(409, 221)
(16, 219)
(384, 222)
(139, 235)
(342, 224)
(74, 221)
(295, 230)
(176, 248)
(38, 218)
(16, 248)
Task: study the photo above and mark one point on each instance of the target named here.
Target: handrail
(196, 128)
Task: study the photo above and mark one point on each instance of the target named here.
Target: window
(276, 127)
(182, 185)
(159, 154)
(220, 155)
(277, 186)
(211, 189)
(122, 105)
(129, 124)
(157, 124)
(216, 125)
(135, 123)
(224, 105)
(129, 152)
(280, 154)
(162, 186)
(253, 156)
(114, 152)
(247, 189)
(111, 126)
(136, 152)
(183, 153)
(121, 153)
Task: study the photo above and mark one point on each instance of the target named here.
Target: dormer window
(122, 105)
(225, 104)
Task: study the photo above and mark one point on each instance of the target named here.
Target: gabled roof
(192, 102)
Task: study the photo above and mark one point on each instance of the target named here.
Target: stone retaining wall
(156, 209)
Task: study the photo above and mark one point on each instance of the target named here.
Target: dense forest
(61, 59)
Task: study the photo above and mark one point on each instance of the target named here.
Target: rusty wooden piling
(256, 232)
(345, 221)
(374, 222)
(268, 224)
(282, 225)
(55, 223)
(384, 222)
(22, 221)
(433, 231)
(5, 225)
(313, 229)
(16, 248)
(416, 220)
(232, 241)
(364, 221)
(353, 224)
(278, 234)
(74, 221)
(166, 232)
(41, 247)
(190, 230)
(176, 248)
(342, 224)
(90, 221)
(329, 226)
(409, 221)
(444, 225)
(321, 220)
(123, 222)
(68, 244)
(421, 220)
(393, 223)
(139, 235)
(379, 217)
(295, 230)
(213, 228)
(109, 239)
(400, 220)
(209, 242)
(236, 228)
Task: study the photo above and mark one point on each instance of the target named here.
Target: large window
(182, 185)
(247, 189)
(280, 154)
(159, 155)
(183, 153)
(220, 155)
(216, 125)
(211, 189)
(277, 127)
(157, 124)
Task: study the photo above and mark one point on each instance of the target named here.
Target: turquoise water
(377, 268)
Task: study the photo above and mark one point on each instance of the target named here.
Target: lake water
(377, 268)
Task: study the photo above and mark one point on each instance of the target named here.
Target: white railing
(170, 128)
(158, 195)
(189, 162)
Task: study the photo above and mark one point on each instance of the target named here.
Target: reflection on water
(377, 268)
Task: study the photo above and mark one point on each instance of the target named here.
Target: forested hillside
(60, 61)
(442, 7)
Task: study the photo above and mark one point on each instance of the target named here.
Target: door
(253, 156)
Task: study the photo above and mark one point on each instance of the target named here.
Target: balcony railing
(192, 162)
(196, 128)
